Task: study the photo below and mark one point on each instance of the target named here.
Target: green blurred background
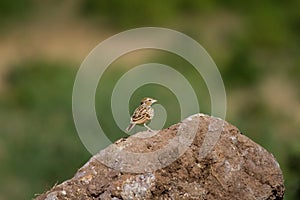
(256, 46)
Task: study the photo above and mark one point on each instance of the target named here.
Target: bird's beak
(154, 101)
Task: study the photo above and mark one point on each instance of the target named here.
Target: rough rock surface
(217, 162)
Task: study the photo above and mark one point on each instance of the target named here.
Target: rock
(200, 158)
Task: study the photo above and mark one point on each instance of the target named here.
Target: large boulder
(201, 157)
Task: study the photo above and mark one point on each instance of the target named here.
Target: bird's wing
(140, 114)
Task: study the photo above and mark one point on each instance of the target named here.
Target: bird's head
(148, 101)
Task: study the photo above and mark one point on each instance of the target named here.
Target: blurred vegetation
(39, 145)
(123, 14)
(12, 11)
(37, 132)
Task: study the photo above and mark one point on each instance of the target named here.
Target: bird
(142, 114)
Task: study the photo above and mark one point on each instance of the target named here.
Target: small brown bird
(143, 114)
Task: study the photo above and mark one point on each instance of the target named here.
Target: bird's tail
(130, 126)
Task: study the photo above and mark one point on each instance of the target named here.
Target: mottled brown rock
(218, 163)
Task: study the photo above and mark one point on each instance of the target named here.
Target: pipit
(142, 114)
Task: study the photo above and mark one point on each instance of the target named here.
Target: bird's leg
(149, 129)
